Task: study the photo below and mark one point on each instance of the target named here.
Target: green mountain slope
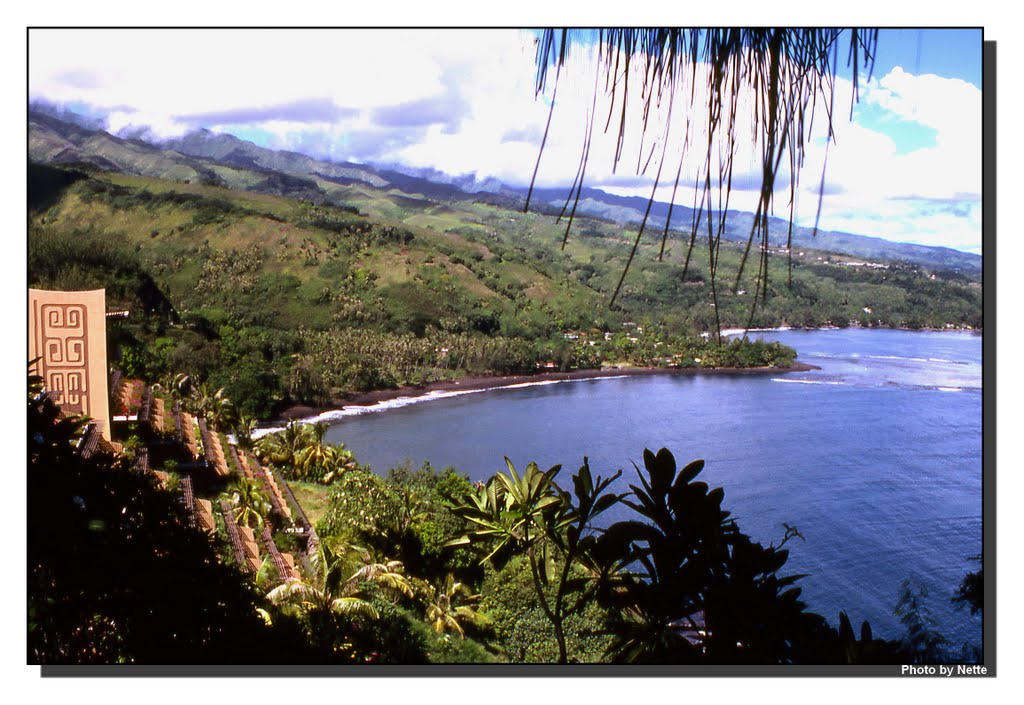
(228, 161)
(286, 288)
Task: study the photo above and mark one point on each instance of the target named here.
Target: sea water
(875, 458)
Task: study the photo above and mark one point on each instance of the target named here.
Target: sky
(906, 167)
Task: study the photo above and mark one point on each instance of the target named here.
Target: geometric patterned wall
(68, 332)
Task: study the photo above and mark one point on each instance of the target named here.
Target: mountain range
(62, 138)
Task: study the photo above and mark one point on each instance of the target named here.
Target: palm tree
(250, 505)
(337, 461)
(785, 73)
(300, 449)
(330, 591)
(284, 447)
(320, 594)
(320, 462)
(243, 432)
(214, 406)
(322, 599)
(450, 605)
(180, 386)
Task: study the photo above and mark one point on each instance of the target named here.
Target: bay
(875, 458)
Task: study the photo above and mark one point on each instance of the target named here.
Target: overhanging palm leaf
(353, 607)
(783, 73)
(387, 575)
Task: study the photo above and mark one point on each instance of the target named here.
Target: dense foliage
(518, 570)
(115, 575)
(421, 566)
(281, 301)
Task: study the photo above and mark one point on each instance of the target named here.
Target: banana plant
(532, 515)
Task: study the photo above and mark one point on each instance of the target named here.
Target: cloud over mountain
(464, 101)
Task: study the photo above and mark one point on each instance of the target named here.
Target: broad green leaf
(662, 468)
(460, 541)
(512, 470)
(547, 502)
(604, 502)
(690, 471)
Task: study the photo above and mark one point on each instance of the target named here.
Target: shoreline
(480, 383)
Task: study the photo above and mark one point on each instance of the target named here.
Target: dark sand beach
(474, 383)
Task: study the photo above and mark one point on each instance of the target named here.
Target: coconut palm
(244, 428)
(337, 460)
(386, 576)
(450, 605)
(301, 451)
(309, 462)
(323, 600)
(180, 386)
(280, 448)
(320, 462)
(250, 506)
(283, 448)
(213, 405)
(332, 590)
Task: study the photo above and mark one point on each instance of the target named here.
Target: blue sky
(953, 53)
(907, 167)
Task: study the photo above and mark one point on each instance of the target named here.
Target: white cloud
(899, 189)
(160, 125)
(195, 71)
(482, 84)
(948, 105)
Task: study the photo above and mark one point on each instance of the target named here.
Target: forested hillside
(283, 299)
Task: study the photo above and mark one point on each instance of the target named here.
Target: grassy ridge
(284, 300)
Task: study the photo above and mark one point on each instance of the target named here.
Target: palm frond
(784, 74)
(293, 591)
(353, 607)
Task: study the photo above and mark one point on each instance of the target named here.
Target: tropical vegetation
(423, 566)
(249, 290)
(255, 297)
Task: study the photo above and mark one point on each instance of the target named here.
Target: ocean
(876, 458)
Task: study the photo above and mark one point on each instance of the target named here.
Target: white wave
(335, 415)
(897, 357)
(917, 359)
(260, 432)
(950, 389)
(740, 331)
(807, 381)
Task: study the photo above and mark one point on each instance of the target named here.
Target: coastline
(493, 382)
(480, 383)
